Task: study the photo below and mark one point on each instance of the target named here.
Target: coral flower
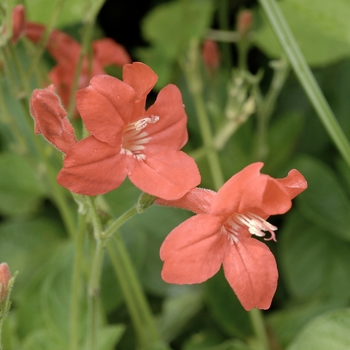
(126, 139)
(66, 51)
(221, 234)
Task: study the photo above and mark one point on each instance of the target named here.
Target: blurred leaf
(109, 336)
(177, 312)
(20, 187)
(169, 28)
(286, 323)
(41, 11)
(320, 28)
(329, 332)
(122, 198)
(43, 339)
(282, 138)
(325, 202)
(314, 263)
(26, 246)
(205, 341)
(44, 304)
(144, 235)
(226, 308)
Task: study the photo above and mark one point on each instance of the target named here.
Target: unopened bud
(244, 22)
(210, 54)
(5, 277)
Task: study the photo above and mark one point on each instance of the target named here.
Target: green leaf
(20, 187)
(41, 11)
(144, 235)
(314, 263)
(286, 323)
(42, 340)
(329, 332)
(325, 202)
(109, 336)
(169, 28)
(282, 139)
(26, 246)
(321, 29)
(178, 310)
(223, 304)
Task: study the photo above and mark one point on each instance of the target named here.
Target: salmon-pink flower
(221, 233)
(51, 119)
(66, 51)
(126, 139)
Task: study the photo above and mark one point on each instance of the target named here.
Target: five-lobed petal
(126, 139)
(221, 234)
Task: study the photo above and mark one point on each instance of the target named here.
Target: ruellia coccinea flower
(126, 139)
(222, 234)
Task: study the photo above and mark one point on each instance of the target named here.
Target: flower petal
(62, 47)
(142, 79)
(193, 251)
(250, 269)
(108, 52)
(170, 131)
(119, 94)
(100, 116)
(51, 119)
(197, 200)
(167, 174)
(18, 22)
(294, 183)
(92, 167)
(230, 194)
(265, 196)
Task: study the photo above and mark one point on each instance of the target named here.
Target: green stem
(76, 288)
(95, 276)
(259, 328)
(305, 76)
(135, 299)
(266, 106)
(57, 191)
(193, 77)
(223, 13)
(86, 40)
(120, 221)
(44, 39)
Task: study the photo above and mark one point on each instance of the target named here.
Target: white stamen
(134, 140)
(256, 225)
(142, 123)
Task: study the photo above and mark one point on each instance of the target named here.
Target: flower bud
(5, 277)
(244, 22)
(210, 54)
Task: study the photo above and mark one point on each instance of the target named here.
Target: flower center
(256, 225)
(134, 139)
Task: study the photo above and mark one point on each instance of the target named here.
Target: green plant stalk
(305, 76)
(44, 39)
(86, 40)
(76, 286)
(57, 191)
(266, 106)
(223, 13)
(258, 324)
(113, 227)
(194, 81)
(134, 297)
(95, 276)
